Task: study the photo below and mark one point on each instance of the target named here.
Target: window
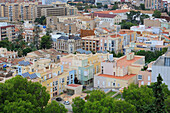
(142, 83)
(51, 84)
(56, 82)
(103, 83)
(67, 77)
(139, 77)
(49, 75)
(79, 71)
(44, 77)
(108, 83)
(51, 95)
(71, 76)
(69, 64)
(114, 84)
(149, 78)
(62, 80)
(98, 82)
(118, 85)
(149, 83)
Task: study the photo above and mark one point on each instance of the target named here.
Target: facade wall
(163, 71)
(152, 23)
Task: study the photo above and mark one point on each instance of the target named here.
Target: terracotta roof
(104, 15)
(167, 37)
(113, 11)
(123, 62)
(16, 29)
(106, 29)
(126, 77)
(74, 85)
(114, 36)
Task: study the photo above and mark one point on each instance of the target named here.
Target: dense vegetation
(41, 20)
(145, 99)
(149, 99)
(98, 102)
(151, 56)
(18, 95)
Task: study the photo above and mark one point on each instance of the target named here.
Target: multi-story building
(57, 11)
(91, 43)
(121, 72)
(86, 65)
(67, 44)
(21, 11)
(162, 66)
(7, 31)
(153, 4)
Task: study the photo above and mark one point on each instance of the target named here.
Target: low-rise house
(8, 54)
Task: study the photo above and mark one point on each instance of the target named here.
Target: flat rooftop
(126, 77)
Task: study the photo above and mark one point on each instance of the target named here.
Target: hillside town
(85, 56)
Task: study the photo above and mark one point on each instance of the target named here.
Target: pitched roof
(104, 15)
(113, 11)
(24, 63)
(126, 77)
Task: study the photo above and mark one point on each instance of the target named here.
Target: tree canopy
(41, 20)
(148, 99)
(151, 56)
(46, 42)
(18, 95)
(98, 102)
(157, 14)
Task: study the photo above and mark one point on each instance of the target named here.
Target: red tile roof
(167, 37)
(113, 11)
(74, 85)
(123, 62)
(106, 29)
(104, 15)
(126, 77)
(114, 36)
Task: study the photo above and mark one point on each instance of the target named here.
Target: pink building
(144, 77)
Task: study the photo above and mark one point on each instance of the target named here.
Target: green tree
(142, 6)
(55, 107)
(96, 95)
(41, 20)
(157, 14)
(124, 107)
(140, 97)
(26, 50)
(22, 93)
(159, 102)
(18, 106)
(115, 6)
(167, 104)
(46, 42)
(78, 105)
(105, 6)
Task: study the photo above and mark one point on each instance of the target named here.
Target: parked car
(66, 102)
(59, 99)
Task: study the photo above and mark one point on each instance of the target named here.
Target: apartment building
(67, 44)
(21, 11)
(162, 66)
(91, 43)
(152, 4)
(7, 31)
(58, 11)
(18, 11)
(121, 72)
(86, 65)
